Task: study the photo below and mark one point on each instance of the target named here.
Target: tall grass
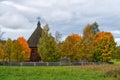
(110, 71)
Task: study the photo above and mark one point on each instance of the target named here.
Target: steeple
(33, 42)
(34, 38)
(38, 22)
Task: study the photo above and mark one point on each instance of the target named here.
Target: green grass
(89, 72)
(116, 61)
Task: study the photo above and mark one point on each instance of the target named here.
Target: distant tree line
(93, 45)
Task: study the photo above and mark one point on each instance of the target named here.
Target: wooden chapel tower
(33, 43)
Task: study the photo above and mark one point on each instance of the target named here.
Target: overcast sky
(18, 17)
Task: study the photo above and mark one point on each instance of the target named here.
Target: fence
(54, 63)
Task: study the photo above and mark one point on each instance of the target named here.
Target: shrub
(113, 73)
(65, 61)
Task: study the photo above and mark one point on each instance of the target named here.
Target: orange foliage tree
(1, 51)
(104, 46)
(24, 45)
(70, 47)
(87, 41)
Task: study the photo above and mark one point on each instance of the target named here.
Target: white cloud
(65, 16)
(15, 33)
(14, 20)
(17, 6)
(116, 32)
(118, 41)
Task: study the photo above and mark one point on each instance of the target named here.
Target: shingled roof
(34, 38)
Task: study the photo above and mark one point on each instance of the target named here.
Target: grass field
(116, 61)
(89, 72)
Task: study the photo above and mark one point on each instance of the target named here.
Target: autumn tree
(70, 47)
(1, 45)
(17, 49)
(89, 31)
(104, 46)
(117, 53)
(20, 50)
(26, 50)
(47, 47)
(87, 40)
(8, 50)
(1, 52)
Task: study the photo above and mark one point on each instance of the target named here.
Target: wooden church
(33, 43)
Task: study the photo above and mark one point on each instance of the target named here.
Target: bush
(4, 63)
(65, 61)
(113, 73)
